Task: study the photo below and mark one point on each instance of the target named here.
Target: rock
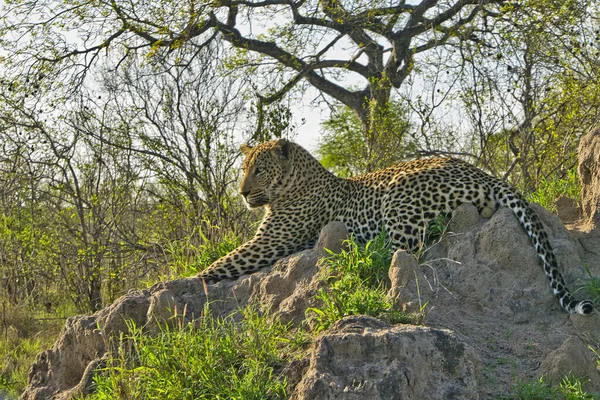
(572, 358)
(409, 287)
(363, 358)
(567, 209)
(464, 218)
(132, 308)
(589, 174)
(495, 293)
(57, 372)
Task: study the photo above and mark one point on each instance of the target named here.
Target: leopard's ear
(282, 147)
(245, 149)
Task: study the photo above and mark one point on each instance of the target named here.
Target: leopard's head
(266, 172)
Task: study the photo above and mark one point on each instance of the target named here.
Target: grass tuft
(570, 388)
(357, 281)
(592, 287)
(214, 358)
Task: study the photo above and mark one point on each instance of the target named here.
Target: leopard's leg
(276, 238)
(406, 222)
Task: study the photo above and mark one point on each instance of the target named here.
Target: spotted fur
(301, 197)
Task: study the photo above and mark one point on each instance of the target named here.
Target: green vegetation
(357, 284)
(214, 358)
(346, 151)
(16, 357)
(591, 287)
(187, 258)
(23, 336)
(570, 388)
(549, 190)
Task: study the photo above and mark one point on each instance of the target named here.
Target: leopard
(300, 196)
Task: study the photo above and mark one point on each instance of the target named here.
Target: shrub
(549, 190)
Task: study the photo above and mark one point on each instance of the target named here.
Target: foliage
(286, 45)
(570, 388)
(23, 336)
(187, 259)
(346, 151)
(356, 284)
(549, 190)
(437, 228)
(532, 90)
(107, 194)
(213, 358)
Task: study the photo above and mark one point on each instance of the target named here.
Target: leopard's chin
(254, 203)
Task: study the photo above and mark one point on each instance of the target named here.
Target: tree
(179, 124)
(344, 148)
(532, 89)
(109, 186)
(287, 42)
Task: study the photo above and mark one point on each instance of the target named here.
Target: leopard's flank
(301, 197)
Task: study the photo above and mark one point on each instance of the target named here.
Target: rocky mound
(589, 173)
(490, 319)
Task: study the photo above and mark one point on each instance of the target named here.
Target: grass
(16, 357)
(592, 287)
(570, 388)
(356, 284)
(549, 190)
(24, 334)
(434, 232)
(187, 258)
(212, 359)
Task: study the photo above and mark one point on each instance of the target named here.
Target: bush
(549, 190)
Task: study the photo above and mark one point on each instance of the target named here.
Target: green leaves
(347, 151)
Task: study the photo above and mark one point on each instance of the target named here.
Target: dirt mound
(485, 294)
(364, 358)
(484, 283)
(589, 173)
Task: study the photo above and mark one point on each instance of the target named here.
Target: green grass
(212, 359)
(16, 357)
(591, 287)
(23, 335)
(356, 284)
(570, 388)
(187, 259)
(437, 228)
(549, 190)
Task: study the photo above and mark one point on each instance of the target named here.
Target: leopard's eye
(257, 170)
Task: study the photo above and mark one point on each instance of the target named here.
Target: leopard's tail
(506, 196)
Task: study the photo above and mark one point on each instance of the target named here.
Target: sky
(308, 134)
